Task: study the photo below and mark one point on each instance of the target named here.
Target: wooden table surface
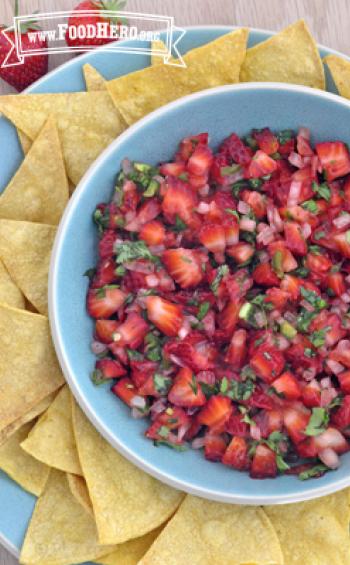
(328, 20)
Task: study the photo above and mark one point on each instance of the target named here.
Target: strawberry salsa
(221, 300)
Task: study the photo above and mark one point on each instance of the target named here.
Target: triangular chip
(33, 413)
(130, 552)
(87, 122)
(290, 56)
(93, 79)
(29, 370)
(60, 530)
(80, 492)
(9, 292)
(25, 141)
(213, 64)
(51, 441)
(25, 249)
(39, 190)
(127, 502)
(158, 45)
(340, 71)
(203, 532)
(21, 467)
(315, 532)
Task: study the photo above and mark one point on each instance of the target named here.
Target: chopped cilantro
(318, 338)
(97, 377)
(237, 187)
(183, 176)
(237, 390)
(232, 212)
(179, 225)
(304, 320)
(163, 431)
(285, 135)
(153, 349)
(134, 355)
(161, 383)
(313, 298)
(131, 250)
(308, 352)
(318, 235)
(318, 422)
(194, 385)
(174, 446)
(203, 310)
(255, 183)
(120, 271)
(221, 272)
(311, 206)
(347, 236)
(322, 190)
(316, 471)
(152, 189)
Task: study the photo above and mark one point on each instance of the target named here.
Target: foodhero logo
(57, 29)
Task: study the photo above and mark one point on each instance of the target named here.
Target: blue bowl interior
(219, 112)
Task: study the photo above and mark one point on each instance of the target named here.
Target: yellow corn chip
(214, 64)
(315, 532)
(39, 190)
(25, 141)
(25, 249)
(130, 552)
(80, 492)
(127, 502)
(51, 441)
(29, 370)
(21, 467)
(340, 71)
(203, 532)
(9, 293)
(60, 531)
(93, 79)
(290, 56)
(158, 45)
(87, 122)
(43, 405)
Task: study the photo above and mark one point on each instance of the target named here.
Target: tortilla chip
(80, 492)
(290, 56)
(39, 190)
(25, 249)
(9, 293)
(127, 502)
(213, 64)
(315, 532)
(29, 370)
(93, 79)
(130, 552)
(87, 122)
(51, 441)
(340, 71)
(25, 141)
(210, 532)
(21, 467)
(158, 45)
(28, 417)
(60, 530)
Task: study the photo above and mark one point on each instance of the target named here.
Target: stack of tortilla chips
(92, 503)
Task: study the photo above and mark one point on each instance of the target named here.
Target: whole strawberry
(33, 66)
(78, 21)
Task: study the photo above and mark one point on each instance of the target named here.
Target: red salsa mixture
(221, 300)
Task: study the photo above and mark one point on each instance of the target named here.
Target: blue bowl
(218, 111)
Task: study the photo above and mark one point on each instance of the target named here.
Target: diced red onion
(129, 186)
(266, 236)
(157, 249)
(127, 166)
(290, 317)
(342, 221)
(307, 160)
(315, 165)
(158, 178)
(209, 323)
(198, 443)
(157, 407)
(182, 430)
(97, 347)
(138, 402)
(294, 193)
(306, 230)
(145, 267)
(309, 374)
(304, 132)
(327, 396)
(136, 414)
(296, 160)
(246, 224)
(207, 377)
(235, 177)
(260, 319)
(178, 239)
(152, 281)
(220, 303)
(334, 366)
(243, 207)
(305, 304)
(129, 216)
(177, 360)
(326, 382)
(282, 343)
(183, 332)
(204, 190)
(274, 218)
(203, 208)
(343, 345)
(329, 457)
(255, 432)
(264, 257)
(345, 297)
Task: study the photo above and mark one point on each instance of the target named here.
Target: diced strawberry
(197, 181)
(130, 198)
(268, 363)
(109, 368)
(212, 236)
(256, 201)
(214, 446)
(231, 228)
(165, 315)
(104, 302)
(336, 283)
(288, 386)
(234, 148)
(216, 411)
(267, 142)
(282, 259)
(241, 252)
(277, 297)
(318, 263)
(220, 161)
(236, 454)
(105, 273)
(172, 418)
(264, 463)
(172, 169)
(189, 144)
(106, 244)
(228, 318)
(153, 233)
(105, 329)
(311, 394)
(141, 371)
(295, 422)
(179, 200)
(200, 161)
(147, 212)
(132, 332)
(341, 416)
(274, 421)
(294, 239)
(261, 165)
(344, 381)
(237, 350)
(291, 285)
(186, 391)
(125, 390)
(260, 399)
(184, 266)
(334, 158)
(342, 241)
(236, 427)
(264, 275)
(195, 351)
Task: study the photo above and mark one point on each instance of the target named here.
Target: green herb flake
(285, 135)
(322, 190)
(131, 250)
(313, 298)
(176, 447)
(203, 310)
(318, 422)
(316, 471)
(134, 355)
(226, 171)
(152, 189)
(318, 338)
(232, 212)
(311, 206)
(277, 264)
(161, 383)
(179, 225)
(221, 272)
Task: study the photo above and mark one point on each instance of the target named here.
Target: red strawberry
(105, 329)
(311, 394)
(231, 228)
(236, 454)
(264, 463)
(109, 368)
(267, 142)
(216, 412)
(268, 363)
(237, 350)
(234, 148)
(164, 314)
(295, 421)
(282, 259)
(236, 427)
(278, 298)
(264, 275)
(132, 332)
(171, 419)
(194, 351)
(228, 318)
(179, 200)
(106, 244)
(34, 66)
(342, 241)
(294, 239)
(145, 213)
(184, 266)
(241, 252)
(188, 145)
(186, 391)
(200, 161)
(336, 283)
(125, 390)
(105, 273)
(261, 165)
(334, 158)
(172, 169)
(141, 370)
(341, 416)
(287, 386)
(291, 285)
(214, 446)
(344, 381)
(256, 201)
(105, 301)
(77, 21)
(153, 233)
(212, 236)
(260, 399)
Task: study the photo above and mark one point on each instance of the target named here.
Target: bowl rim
(99, 424)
